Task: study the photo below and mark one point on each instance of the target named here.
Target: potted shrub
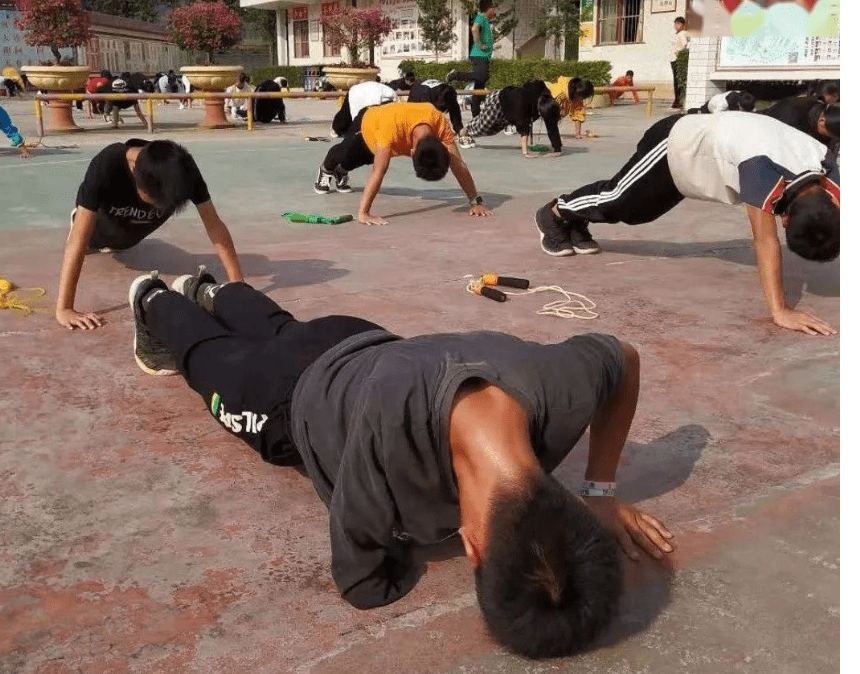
(356, 30)
(55, 24)
(207, 27)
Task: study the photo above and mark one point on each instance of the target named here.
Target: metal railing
(216, 95)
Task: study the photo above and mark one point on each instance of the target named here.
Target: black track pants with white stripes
(640, 192)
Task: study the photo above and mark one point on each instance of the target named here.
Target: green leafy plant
(508, 72)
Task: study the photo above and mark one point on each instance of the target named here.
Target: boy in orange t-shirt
(381, 132)
(625, 81)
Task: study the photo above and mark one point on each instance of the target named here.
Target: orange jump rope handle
(506, 281)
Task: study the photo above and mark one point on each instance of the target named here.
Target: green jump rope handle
(511, 282)
(294, 216)
(493, 294)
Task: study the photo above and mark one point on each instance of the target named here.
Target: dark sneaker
(582, 241)
(150, 355)
(323, 183)
(194, 286)
(554, 232)
(341, 181)
(450, 76)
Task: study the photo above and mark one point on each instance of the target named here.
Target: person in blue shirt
(482, 50)
(13, 134)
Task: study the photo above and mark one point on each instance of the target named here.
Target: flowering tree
(356, 29)
(53, 24)
(205, 26)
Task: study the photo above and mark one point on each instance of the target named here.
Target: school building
(117, 44)
(631, 34)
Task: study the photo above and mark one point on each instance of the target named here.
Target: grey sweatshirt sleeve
(372, 565)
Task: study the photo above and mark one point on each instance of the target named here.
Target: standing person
(482, 50)
(733, 157)
(409, 442)
(625, 80)
(130, 190)
(380, 132)
(13, 134)
(238, 107)
(680, 40)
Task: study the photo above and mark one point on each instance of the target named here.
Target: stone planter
(215, 79)
(58, 80)
(343, 78)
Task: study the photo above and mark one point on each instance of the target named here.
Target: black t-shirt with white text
(123, 218)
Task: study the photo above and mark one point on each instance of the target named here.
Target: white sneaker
(510, 130)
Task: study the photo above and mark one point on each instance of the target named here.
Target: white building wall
(649, 59)
(703, 61)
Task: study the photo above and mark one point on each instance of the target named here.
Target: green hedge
(504, 72)
(295, 74)
(683, 61)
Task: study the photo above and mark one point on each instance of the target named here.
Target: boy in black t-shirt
(130, 189)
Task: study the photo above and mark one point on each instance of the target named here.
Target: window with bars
(619, 21)
(301, 43)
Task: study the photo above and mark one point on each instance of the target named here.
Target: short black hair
(813, 226)
(125, 75)
(409, 76)
(826, 88)
(243, 77)
(551, 577)
(580, 88)
(166, 172)
(431, 159)
(629, 73)
(680, 19)
(106, 74)
(741, 100)
(831, 120)
(484, 5)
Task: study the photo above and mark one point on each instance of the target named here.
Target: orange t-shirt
(391, 126)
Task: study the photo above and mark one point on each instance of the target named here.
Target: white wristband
(590, 488)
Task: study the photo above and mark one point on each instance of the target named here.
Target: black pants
(480, 75)
(246, 359)
(351, 152)
(676, 83)
(640, 192)
(444, 99)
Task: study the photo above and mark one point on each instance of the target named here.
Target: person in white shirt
(731, 158)
(680, 40)
(728, 100)
(238, 107)
(359, 97)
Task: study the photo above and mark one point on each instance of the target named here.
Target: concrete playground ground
(138, 536)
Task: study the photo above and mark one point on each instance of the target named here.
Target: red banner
(329, 8)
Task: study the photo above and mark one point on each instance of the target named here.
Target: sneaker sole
(319, 191)
(587, 251)
(567, 252)
(342, 190)
(132, 291)
(178, 284)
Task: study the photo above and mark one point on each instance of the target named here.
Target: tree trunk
(55, 50)
(210, 55)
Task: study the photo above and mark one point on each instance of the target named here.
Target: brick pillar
(703, 64)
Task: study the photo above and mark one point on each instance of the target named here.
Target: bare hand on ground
(479, 211)
(803, 322)
(71, 319)
(25, 152)
(632, 527)
(368, 219)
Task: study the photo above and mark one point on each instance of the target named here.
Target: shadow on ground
(816, 278)
(448, 197)
(171, 260)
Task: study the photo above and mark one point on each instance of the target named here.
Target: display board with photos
(406, 39)
(778, 52)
